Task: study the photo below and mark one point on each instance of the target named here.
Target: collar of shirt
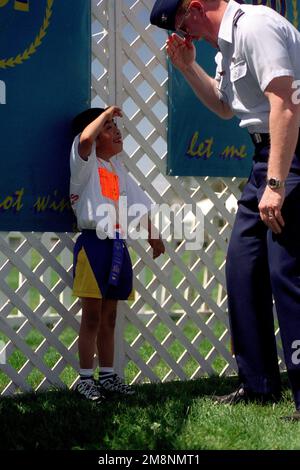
(108, 164)
(226, 27)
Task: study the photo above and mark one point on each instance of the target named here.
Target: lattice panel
(179, 315)
(36, 311)
(177, 325)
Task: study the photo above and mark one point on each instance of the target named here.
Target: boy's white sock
(86, 374)
(105, 373)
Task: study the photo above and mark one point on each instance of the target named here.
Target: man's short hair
(82, 120)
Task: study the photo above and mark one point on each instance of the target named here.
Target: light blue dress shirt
(263, 46)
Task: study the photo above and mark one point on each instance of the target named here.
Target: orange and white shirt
(95, 183)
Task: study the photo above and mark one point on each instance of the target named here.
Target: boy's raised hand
(112, 112)
(90, 133)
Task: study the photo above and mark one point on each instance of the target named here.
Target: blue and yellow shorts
(92, 265)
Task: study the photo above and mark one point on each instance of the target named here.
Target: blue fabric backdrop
(44, 83)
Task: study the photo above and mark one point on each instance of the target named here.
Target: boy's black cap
(163, 13)
(85, 118)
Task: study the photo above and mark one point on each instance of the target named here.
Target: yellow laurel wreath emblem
(30, 50)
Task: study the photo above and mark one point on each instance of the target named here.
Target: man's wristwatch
(275, 183)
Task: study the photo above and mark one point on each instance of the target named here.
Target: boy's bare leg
(108, 380)
(91, 311)
(105, 338)
(86, 386)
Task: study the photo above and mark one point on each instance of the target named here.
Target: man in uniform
(258, 65)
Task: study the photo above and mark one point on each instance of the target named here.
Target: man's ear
(196, 4)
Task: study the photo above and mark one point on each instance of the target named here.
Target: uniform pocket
(247, 92)
(238, 71)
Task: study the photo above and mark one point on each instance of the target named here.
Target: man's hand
(270, 208)
(157, 246)
(181, 51)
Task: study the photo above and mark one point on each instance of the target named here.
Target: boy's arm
(91, 132)
(136, 194)
(154, 237)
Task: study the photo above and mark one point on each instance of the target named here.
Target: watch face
(273, 183)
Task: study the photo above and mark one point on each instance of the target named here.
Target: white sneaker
(114, 383)
(88, 389)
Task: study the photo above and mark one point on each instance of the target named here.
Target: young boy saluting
(102, 266)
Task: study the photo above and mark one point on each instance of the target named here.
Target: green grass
(17, 359)
(177, 276)
(33, 293)
(171, 416)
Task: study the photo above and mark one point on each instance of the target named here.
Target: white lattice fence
(36, 311)
(177, 326)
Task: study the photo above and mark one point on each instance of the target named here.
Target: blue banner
(44, 82)
(199, 142)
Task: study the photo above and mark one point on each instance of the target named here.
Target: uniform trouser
(262, 266)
